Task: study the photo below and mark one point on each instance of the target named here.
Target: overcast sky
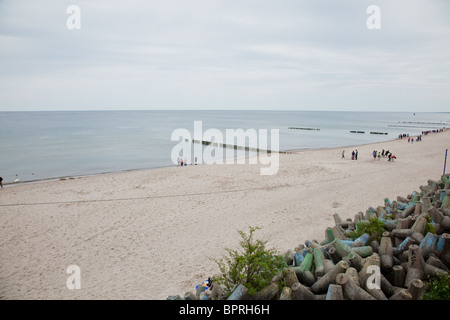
(225, 54)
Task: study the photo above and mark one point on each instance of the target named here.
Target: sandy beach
(153, 233)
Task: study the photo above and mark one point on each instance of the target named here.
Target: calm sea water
(47, 145)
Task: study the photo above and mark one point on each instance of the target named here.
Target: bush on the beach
(373, 227)
(429, 227)
(254, 266)
(439, 288)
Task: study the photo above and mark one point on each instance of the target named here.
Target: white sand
(150, 234)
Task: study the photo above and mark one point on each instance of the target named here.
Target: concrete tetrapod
(415, 265)
(286, 294)
(301, 292)
(321, 285)
(416, 289)
(398, 276)
(445, 254)
(402, 294)
(267, 293)
(370, 277)
(303, 271)
(240, 293)
(334, 292)
(351, 290)
(386, 253)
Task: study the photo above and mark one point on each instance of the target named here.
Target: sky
(225, 54)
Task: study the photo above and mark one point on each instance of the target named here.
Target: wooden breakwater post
(234, 146)
(414, 246)
(296, 128)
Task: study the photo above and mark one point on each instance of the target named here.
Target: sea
(48, 145)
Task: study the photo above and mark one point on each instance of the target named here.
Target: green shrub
(254, 266)
(373, 227)
(439, 288)
(429, 227)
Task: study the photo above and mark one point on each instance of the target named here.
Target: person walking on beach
(1, 182)
(356, 155)
(353, 155)
(343, 156)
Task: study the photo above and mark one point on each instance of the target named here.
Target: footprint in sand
(336, 204)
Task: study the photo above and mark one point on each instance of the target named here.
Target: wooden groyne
(234, 146)
(296, 128)
(411, 246)
(374, 132)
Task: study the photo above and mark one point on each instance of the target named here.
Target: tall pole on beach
(445, 161)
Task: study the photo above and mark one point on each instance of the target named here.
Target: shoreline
(149, 233)
(70, 177)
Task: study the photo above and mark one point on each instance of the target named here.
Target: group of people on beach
(182, 162)
(418, 138)
(410, 139)
(375, 154)
(383, 154)
(432, 131)
(354, 154)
